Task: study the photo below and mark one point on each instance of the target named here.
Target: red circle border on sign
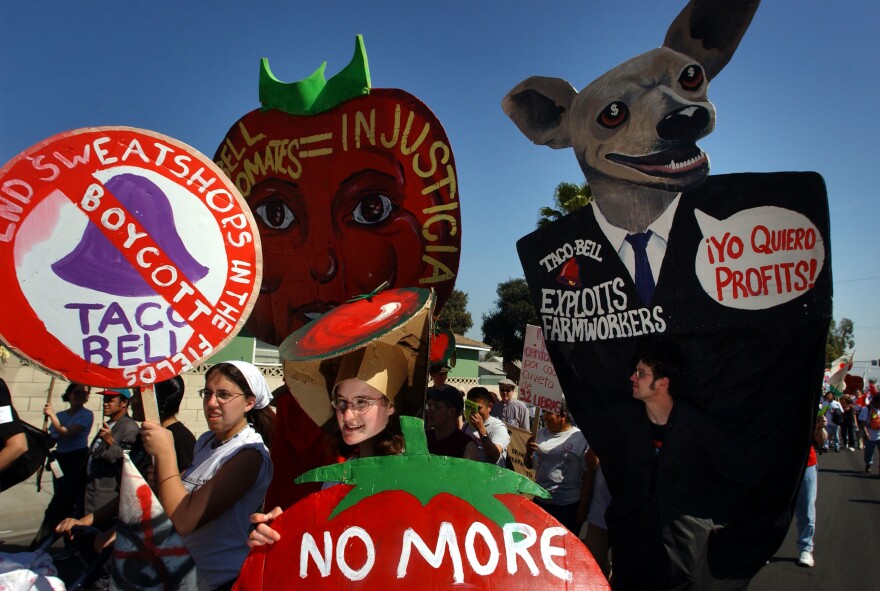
(68, 162)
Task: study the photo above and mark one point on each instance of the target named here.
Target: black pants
(848, 433)
(564, 514)
(67, 498)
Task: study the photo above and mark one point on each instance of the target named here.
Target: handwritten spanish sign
(126, 255)
(759, 258)
(538, 384)
(516, 450)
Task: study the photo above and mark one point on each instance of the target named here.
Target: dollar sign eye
(692, 77)
(614, 115)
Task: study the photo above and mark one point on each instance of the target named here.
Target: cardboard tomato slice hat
(312, 356)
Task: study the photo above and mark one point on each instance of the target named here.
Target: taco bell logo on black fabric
(586, 312)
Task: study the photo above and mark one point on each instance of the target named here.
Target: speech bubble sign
(126, 256)
(758, 258)
(538, 384)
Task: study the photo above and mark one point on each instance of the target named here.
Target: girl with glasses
(363, 400)
(210, 503)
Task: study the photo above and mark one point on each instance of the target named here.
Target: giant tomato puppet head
(350, 187)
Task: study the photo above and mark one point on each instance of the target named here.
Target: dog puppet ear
(710, 31)
(539, 106)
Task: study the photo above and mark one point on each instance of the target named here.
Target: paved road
(847, 540)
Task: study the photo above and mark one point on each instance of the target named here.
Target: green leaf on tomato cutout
(425, 476)
(314, 94)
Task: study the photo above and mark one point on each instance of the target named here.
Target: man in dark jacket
(104, 466)
(663, 515)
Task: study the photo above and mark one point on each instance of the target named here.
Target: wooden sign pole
(151, 407)
(48, 401)
(46, 429)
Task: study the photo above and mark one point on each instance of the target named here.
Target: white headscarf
(256, 381)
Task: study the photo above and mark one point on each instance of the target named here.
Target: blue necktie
(644, 277)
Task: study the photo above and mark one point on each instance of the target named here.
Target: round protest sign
(126, 256)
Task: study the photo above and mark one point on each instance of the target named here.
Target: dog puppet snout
(687, 123)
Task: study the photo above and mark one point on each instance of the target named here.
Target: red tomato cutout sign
(442, 346)
(126, 256)
(421, 522)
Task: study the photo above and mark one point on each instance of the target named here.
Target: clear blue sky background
(800, 94)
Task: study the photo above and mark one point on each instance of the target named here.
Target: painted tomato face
(345, 200)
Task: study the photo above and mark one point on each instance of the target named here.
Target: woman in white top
(559, 459)
(211, 502)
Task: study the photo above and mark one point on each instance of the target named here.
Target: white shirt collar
(616, 236)
(656, 247)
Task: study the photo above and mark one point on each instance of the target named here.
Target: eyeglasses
(435, 406)
(223, 396)
(356, 405)
(641, 373)
(505, 389)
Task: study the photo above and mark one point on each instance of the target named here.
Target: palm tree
(567, 198)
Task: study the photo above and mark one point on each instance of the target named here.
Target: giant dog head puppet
(634, 129)
(732, 271)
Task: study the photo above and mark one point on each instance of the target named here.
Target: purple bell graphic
(96, 264)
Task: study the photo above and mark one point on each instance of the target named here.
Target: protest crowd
(214, 487)
(211, 485)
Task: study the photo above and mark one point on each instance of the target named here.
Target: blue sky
(799, 95)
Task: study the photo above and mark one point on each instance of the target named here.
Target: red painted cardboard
(127, 256)
(423, 522)
(345, 199)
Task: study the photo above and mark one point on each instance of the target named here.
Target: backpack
(837, 418)
(39, 443)
(874, 420)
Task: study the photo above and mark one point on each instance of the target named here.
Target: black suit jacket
(105, 464)
(755, 374)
